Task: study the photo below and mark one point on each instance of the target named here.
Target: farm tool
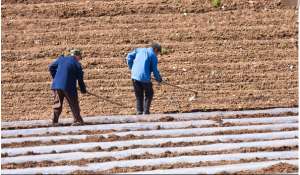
(192, 98)
(105, 99)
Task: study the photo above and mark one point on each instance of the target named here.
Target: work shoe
(77, 124)
(139, 113)
(146, 113)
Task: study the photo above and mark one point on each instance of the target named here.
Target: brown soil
(144, 156)
(241, 55)
(166, 119)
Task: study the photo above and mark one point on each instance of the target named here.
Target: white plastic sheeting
(173, 132)
(117, 127)
(137, 118)
(180, 131)
(145, 125)
(288, 119)
(218, 169)
(152, 162)
(136, 151)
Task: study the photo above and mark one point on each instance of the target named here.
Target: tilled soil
(241, 55)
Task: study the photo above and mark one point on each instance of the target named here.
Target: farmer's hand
(166, 79)
(159, 81)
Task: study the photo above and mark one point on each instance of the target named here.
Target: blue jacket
(141, 62)
(65, 70)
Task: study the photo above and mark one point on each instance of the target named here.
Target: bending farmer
(65, 71)
(141, 62)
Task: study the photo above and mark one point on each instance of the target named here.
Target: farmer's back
(67, 73)
(144, 63)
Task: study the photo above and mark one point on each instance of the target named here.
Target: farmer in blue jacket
(65, 71)
(141, 62)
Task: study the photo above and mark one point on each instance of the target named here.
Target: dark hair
(156, 46)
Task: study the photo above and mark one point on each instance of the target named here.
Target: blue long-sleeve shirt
(65, 71)
(141, 62)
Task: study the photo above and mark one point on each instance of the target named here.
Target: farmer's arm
(80, 79)
(130, 58)
(53, 67)
(155, 71)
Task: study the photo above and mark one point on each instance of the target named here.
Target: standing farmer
(141, 62)
(65, 71)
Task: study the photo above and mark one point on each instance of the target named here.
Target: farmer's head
(76, 53)
(156, 47)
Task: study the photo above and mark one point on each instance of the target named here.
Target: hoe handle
(105, 99)
(179, 87)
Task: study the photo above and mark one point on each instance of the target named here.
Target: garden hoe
(194, 97)
(105, 99)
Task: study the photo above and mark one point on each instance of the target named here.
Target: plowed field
(242, 55)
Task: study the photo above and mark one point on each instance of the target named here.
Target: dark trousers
(144, 94)
(59, 96)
